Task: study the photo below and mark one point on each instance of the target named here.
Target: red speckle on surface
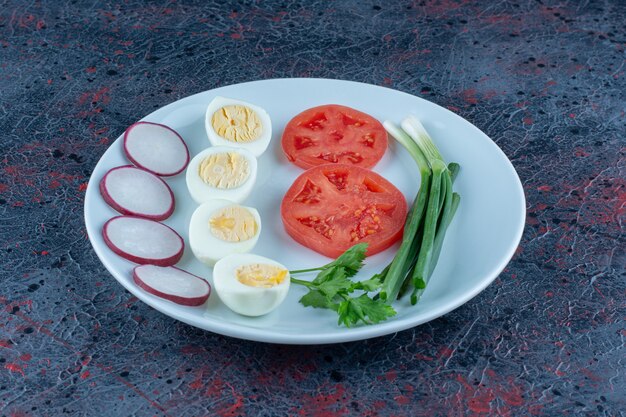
(101, 95)
(469, 96)
(196, 383)
(445, 352)
(391, 376)
(511, 394)
(590, 375)
(219, 390)
(580, 152)
(24, 21)
(481, 403)
(90, 70)
(26, 357)
(443, 6)
(15, 368)
(544, 188)
(192, 350)
(421, 357)
(328, 403)
(85, 375)
(402, 399)
(527, 121)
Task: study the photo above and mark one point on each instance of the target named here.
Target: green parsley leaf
(375, 310)
(351, 260)
(364, 309)
(371, 284)
(339, 282)
(350, 313)
(326, 274)
(316, 299)
(332, 289)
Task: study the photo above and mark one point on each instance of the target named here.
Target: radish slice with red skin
(156, 148)
(172, 284)
(135, 191)
(143, 241)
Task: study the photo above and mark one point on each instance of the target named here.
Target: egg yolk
(233, 224)
(224, 170)
(237, 123)
(260, 275)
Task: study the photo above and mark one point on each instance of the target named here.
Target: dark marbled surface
(545, 79)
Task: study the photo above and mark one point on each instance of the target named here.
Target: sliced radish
(135, 191)
(143, 241)
(156, 148)
(173, 284)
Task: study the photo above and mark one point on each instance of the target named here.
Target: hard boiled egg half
(219, 228)
(250, 285)
(221, 172)
(231, 122)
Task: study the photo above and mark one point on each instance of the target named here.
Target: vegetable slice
(172, 284)
(332, 207)
(143, 241)
(137, 192)
(334, 134)
(156, 148)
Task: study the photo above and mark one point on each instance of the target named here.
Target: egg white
(244, 299)
(201, 191)
(258, 146)
(208, 248)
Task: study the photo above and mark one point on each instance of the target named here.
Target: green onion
(427, 221)
(397, 270)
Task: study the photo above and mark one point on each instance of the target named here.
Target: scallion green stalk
(398, 268)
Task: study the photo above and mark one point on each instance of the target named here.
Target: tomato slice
(334, 134)
(332, 207)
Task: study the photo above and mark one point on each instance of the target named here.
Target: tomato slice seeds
(332, 207)
(334, 134)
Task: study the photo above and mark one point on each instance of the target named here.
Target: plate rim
(266, 335)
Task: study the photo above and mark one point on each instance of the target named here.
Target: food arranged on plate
(221, 172)
(231, 122)
(172, 284)
(250, 285)
(219, 228)
(156, 148)
(330, 208)
(337, 207)
(135, 191)
(144, 199)
(334, 134)
(143, 241)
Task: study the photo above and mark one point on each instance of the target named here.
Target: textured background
(545, 79)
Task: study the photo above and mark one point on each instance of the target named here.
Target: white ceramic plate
(481, 240)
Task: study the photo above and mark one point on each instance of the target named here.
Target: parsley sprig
(333, 289)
